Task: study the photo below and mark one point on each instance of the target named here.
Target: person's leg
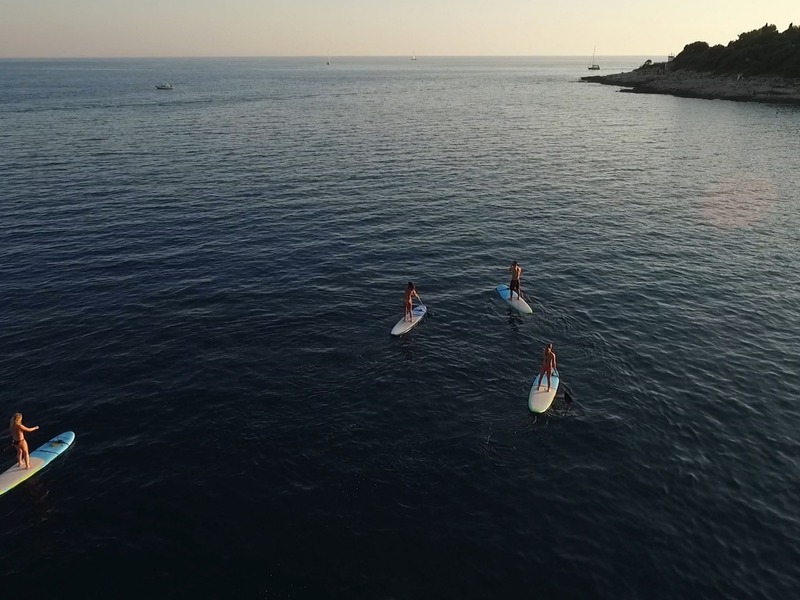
(24, 445)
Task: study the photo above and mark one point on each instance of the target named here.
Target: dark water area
(201, 282)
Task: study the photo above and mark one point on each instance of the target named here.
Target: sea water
(201, 282)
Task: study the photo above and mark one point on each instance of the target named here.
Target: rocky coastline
(660, 79)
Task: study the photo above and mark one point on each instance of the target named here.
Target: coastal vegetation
(763, 65)
(764, 51)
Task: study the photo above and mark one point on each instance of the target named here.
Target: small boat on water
(164, 86)
(593, 66)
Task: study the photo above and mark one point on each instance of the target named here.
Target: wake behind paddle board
(517, 303)
(404, 326)
(541, 399)
(40, 458)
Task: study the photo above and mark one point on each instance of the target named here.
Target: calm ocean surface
(201, 283)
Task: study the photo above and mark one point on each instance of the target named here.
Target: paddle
(521, 295)
(567, 397)
(512, 296)
(421, 303)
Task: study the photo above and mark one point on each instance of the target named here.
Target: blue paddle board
(517, 303)
(40, 458)
(403, 326)
(541, 399)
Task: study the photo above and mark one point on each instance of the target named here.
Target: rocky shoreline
(658, 79)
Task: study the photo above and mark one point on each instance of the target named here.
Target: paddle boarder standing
(18, 430)
(516, 273)
(548, 366)
(408, 302)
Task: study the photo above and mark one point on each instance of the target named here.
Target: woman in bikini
(18, 430)
(548, 366)
(408, 302)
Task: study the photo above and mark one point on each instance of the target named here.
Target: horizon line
(403, 56)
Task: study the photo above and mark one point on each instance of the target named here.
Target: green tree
(764, 51)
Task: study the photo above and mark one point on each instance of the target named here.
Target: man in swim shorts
(516, 273)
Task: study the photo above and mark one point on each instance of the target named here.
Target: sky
(184, 28)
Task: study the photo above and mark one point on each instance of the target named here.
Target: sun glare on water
(738, 203)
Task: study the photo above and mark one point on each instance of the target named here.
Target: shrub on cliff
(763, 51)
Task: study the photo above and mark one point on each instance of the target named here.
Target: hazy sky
(100, 28)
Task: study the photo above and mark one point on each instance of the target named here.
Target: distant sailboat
(593, 66)
(413, 56)
(328, 62)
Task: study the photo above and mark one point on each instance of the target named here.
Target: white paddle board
(40, 458)
(517, 303)
(541, 399)
(404, 326)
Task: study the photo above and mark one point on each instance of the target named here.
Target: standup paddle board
(40, 458)
(404, 326)
(517, 303)
(541, 399)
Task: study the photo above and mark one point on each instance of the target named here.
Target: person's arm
(28, 429)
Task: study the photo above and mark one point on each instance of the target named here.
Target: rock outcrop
(660, 79)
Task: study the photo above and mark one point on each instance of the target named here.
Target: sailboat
(413, 56)
(593, 66)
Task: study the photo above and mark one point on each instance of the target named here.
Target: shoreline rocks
(657, 79)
